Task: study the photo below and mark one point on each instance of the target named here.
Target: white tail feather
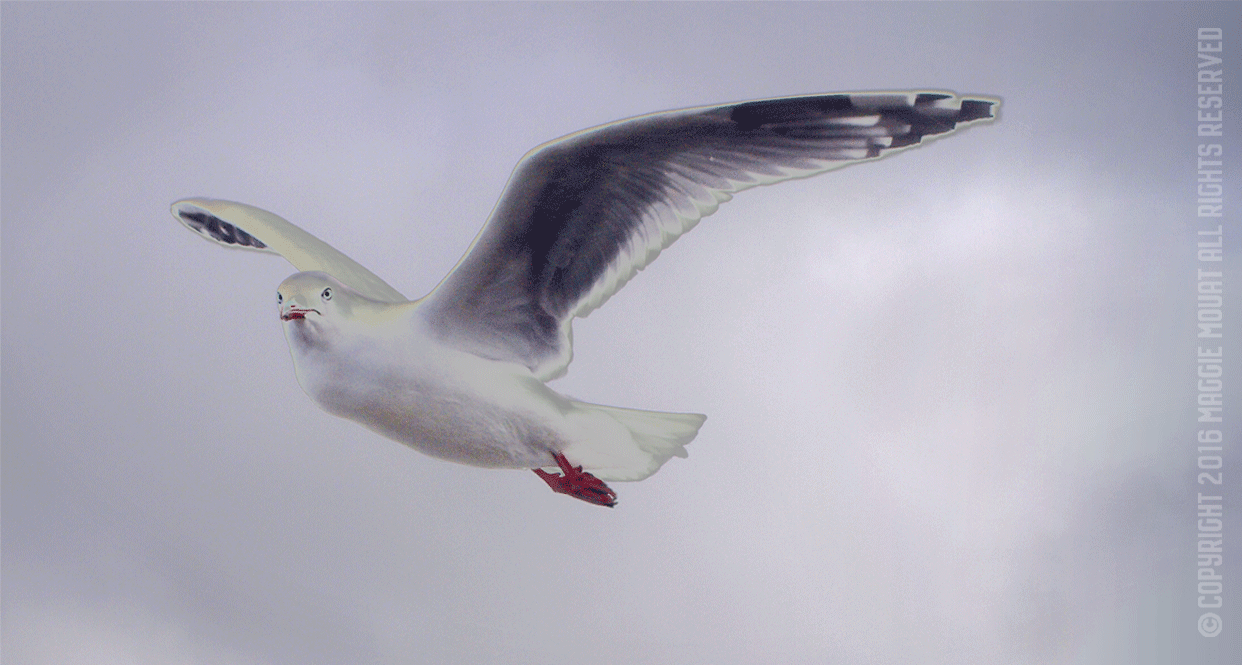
(638, 448)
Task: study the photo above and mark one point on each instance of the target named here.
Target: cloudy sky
(950, 394)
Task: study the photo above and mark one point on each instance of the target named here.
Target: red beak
(295, 313)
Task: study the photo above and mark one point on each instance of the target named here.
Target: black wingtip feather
(219, 230)
(923, 113)
(753, 115)
(975, 109)
(925, 98)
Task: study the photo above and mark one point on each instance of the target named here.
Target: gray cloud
(949, 394)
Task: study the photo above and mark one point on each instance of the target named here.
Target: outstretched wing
(581, 215)
(247, 227)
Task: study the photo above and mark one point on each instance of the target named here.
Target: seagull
(461, 374)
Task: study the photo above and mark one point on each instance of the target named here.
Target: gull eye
(280, 298)
(327, 294)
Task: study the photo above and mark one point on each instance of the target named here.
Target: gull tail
(629, 444)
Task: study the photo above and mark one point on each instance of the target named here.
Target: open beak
(295, 313)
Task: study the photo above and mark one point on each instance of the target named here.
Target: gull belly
(438, 400)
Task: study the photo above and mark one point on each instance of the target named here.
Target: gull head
(313, 296)
(320, 311)
(314, 306)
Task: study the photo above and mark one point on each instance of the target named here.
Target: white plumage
(460, 374)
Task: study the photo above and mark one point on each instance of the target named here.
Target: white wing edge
(277, 236)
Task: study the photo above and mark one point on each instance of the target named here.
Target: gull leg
(577, 483)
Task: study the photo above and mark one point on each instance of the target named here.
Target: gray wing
(581, 215)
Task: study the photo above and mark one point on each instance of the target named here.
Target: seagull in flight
(461, 374)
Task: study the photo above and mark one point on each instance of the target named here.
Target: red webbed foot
(577, 483)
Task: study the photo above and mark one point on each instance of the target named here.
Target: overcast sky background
(949, 394)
